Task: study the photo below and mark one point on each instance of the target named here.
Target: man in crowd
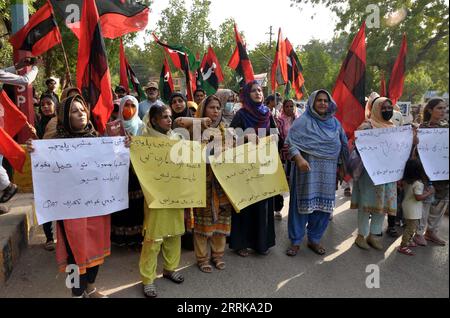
(152, 92)
(51, 89)
(199, 96)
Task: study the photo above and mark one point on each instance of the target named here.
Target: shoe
(8, 193)
(175, 277)
(434, 238)
(3, 209)
(93, 293)
(420, 240)
(347, 192)
(293, 250)
(374, 242)
(49, 246)
(406, 250)
(150, 291)
(361, 242)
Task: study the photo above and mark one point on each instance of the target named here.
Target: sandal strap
(150, 288)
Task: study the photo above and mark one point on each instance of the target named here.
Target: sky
(254, 18)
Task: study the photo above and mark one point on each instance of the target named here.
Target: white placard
(77, 178)
(384, 152)
(433, 152)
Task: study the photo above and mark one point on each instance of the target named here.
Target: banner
(169, 184)
(384, 152)
(250, 173)
(77, 178)
(433, 152)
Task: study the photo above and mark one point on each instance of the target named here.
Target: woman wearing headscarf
(83, 242)
(47, 111)
(212, 224)
(50, 131)
(316, 140)
(372, 201)
(126, 225)
(227, 99)
(253, 228)
(163, 228)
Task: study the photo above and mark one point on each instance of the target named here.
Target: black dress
(254, 226)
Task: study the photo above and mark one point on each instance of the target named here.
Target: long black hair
(413, 171)
(432, 103)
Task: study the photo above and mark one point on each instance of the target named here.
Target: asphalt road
(339, 273)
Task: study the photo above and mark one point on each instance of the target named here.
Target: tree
(425, 23)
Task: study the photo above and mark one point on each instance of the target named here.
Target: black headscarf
(64, 130)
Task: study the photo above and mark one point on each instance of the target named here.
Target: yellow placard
(24, 180)
(250, 173)
(167, 183)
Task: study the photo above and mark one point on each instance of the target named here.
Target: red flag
(240, 61)
(279, 66)
(117, 17)
(397, 78)
(93, 78)
(40, 34)
(349, 90)
(383, 85)
(11, 118)
(295, 69)
(12, 151)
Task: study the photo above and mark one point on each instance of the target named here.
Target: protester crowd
(313, 148)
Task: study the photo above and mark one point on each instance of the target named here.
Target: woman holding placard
(372, 201)
(84, 242)
(433, 212)
(316, 142)
(163, 228)
(212, 224)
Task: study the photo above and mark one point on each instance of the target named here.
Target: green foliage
(425, 24)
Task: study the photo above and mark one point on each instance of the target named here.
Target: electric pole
(270, 33)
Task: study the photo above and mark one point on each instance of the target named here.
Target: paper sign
(384, 152)
(77, 178)
(255, 173)
(166, 183)
(433, 152)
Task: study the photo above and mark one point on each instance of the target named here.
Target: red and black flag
(166, 82)
(117, 17)
(183, 60)
(349, 90)
(128, 78)
(397, 78)
(294, 71)
(279, 75)
(93, 78)
(210, 72)
(40, 34)
(240, 61)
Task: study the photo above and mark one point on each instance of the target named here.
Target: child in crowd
(412, 204)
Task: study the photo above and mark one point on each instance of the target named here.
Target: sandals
(94, 294)
(150, 291)
(243, 252)
(316, 248)
(406, 250)
(293, 250)
(219, 264)
(8, 193)
(433, 238)
(347, 192)
(205, 267)
(175, 277)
